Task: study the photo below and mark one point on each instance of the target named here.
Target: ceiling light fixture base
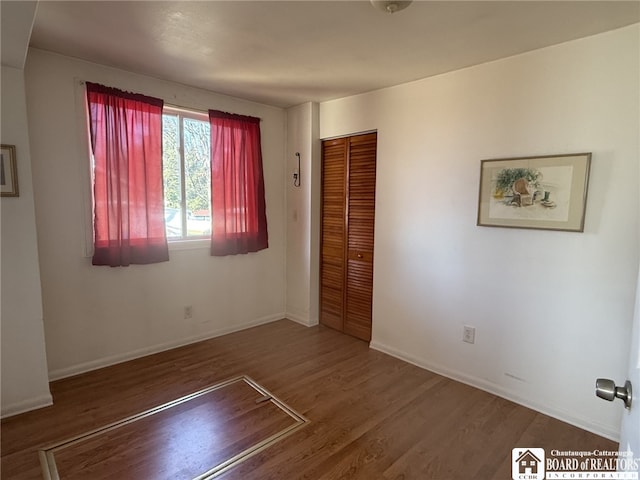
(391, 6)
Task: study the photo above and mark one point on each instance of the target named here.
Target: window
(165, 173)
(186, 162)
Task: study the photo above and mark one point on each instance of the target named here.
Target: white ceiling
(286, 53)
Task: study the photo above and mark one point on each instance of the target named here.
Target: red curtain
(239, 220)
(126, 140)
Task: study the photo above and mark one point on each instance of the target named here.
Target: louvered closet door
(361, 196)
(332, 262)
(348, 210)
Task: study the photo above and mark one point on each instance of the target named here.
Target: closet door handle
(359, 255)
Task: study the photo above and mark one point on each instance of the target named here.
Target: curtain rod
(171, 105)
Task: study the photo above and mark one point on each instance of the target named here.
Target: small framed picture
(548, 193)
(8, 171)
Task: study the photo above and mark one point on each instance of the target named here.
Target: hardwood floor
(371, 416)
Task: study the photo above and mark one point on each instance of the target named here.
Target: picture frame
(8, 171)
(545, 192)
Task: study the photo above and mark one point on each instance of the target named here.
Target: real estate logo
(527, 464)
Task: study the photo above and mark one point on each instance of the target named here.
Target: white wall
(99, 315)
(302, 211)
(24, 366)
(552, 309)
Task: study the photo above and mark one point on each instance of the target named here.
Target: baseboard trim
(559, 414)
(142, 352)
(302, 320)
(26, 405)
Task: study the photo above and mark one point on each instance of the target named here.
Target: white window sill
(196, 244)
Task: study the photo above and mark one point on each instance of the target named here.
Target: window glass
(187, 175)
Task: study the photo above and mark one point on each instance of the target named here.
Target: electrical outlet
(469, 334)
(188, 312)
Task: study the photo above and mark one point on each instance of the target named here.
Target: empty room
(320, 240)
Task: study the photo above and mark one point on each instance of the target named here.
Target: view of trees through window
(187, 175)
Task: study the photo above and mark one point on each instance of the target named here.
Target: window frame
(187, 242)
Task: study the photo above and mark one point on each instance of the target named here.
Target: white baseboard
(142, 352)
(565, 416)
(301, 319)
(26, 405)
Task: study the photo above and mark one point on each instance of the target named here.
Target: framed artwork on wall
(8, 171)
(548, 192)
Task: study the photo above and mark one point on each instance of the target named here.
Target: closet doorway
(347, 232)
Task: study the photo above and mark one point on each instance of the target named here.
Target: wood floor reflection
(371, 416)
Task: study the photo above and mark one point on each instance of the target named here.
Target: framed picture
(8, 171)
(548, 193)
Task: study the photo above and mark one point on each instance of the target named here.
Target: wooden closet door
(348, 211)
(361, 198)
(332, 258)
